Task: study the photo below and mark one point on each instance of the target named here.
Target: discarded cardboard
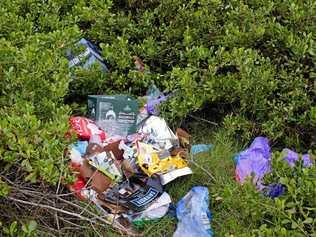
(115, 114)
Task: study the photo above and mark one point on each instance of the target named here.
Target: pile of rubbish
(125, 155)
(123, 159)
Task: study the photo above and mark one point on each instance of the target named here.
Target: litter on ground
(125, 155)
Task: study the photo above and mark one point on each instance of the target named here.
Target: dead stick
(60, 176)
(49, 207)
(204, 120)
(95, 230)
(86, 207)
(71, 223)
(92, 214)
(200, 167)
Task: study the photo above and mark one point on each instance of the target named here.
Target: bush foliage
(250, 61)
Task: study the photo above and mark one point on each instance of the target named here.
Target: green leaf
(308, 220)
(32, 225)
(31, 177)
(13, 228)
(285, 221)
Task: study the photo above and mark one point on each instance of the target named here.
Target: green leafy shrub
(258, 57)
(21, 230)
(293, 213)
(251, 61)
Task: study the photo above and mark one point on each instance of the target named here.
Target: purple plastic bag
(292, 157)
(254, 161)
(307, 162)
(151, 105)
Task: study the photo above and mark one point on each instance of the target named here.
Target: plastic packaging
(307, 161)
(158, 133)
(198, 148)
(85, 128)
(89, 56)
(77, 187)
(274, 190)
(151, 162)
(133, 194)
(115, 114)
(254, 161)
(193, 214)
(105, 162)
(292, 157)
(80, 146)
(156, 210)
(154, 98)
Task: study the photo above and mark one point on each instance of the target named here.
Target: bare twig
(71, 223)
(86, 207)
(49, 207)
(203, 120)
(58, 185)
(45, 233)
(57, 223)
(92, 214)
(95, 230)
(200, 167)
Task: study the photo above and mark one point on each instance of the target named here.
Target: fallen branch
(49, 207)
(200, 167)
(203, 120)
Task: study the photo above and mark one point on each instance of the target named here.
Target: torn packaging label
(134, 195)
(93, 149)
(86, 170)
(100, 182)
(140, 199)
(115, 149)
(172, 175)
(105, 162)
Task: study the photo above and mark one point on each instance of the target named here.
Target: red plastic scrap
(85, 128)
(77, 186)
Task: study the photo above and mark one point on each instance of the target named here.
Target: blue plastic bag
(198, 148)
(194, 215)
(88, 57)
(80, 146)
(274, 190)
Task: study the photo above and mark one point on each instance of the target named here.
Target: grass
(219, 163)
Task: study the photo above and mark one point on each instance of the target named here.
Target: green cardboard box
(116, 114)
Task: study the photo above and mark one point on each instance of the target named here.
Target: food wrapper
(158, 133)
(149, 161)
(85, 128)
